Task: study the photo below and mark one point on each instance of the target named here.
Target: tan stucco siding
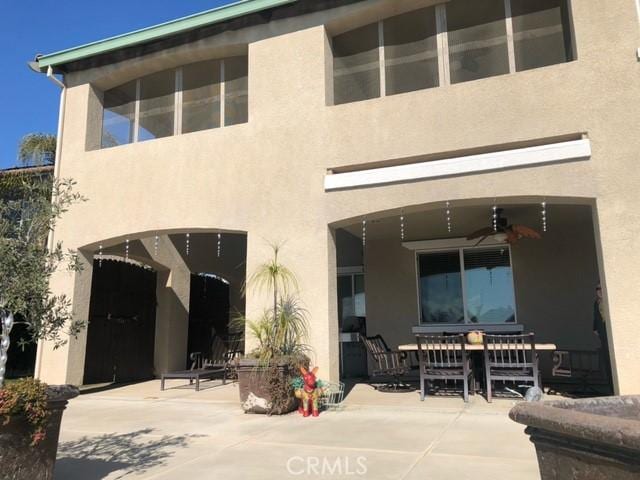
(266, 177)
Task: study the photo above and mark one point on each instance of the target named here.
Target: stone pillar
(311, 255)
(66, 363)
(172, 310)
(617, 244)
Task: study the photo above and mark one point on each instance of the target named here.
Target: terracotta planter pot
(18, 459)
(594, 439)
(255, 395)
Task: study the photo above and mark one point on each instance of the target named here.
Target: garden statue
(309, 393)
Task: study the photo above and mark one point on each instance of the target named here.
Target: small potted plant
(31, 413)
(266, 373)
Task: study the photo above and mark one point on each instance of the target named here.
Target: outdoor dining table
(411, 347)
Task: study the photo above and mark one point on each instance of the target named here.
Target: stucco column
(311, 255)
(66, 363)
(617, 245)
(173, 291)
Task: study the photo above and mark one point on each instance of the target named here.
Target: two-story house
(398, 147)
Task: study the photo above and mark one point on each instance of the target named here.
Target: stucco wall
(266, 177)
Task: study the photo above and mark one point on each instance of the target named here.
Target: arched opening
(455, 267)
(152, 306)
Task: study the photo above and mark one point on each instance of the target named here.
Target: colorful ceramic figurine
(309, 393)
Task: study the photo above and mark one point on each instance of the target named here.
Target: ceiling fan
(512, 233)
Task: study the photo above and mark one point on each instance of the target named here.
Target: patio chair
(387, 362)
(443, 357)
(224, 351)
(221, 362)
(510, 358)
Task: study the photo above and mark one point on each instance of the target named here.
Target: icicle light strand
(495, 218)
(402, 227)
(364, 233)
(100, 256)
(156, 241)
(126, 249)
(544, 216)
(188, 243)
(219, 244)
(449, 217)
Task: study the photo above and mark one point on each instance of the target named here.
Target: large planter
(596, 438)
(18, 459)
(256, 387)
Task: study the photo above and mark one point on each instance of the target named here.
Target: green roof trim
(167, 29)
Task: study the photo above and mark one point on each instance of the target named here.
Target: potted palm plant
(265, 374)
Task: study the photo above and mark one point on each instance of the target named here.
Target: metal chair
(443, 357)
(387, 362)
(510, 358)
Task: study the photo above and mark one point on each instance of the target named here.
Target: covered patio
(462, 266)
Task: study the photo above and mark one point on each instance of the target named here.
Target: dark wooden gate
(208, 313)
(122, 320)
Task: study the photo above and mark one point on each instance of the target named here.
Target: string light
(100, 256)
(544, 216)
(402, 226)
(188, 242)
(449, 217)
(126, 249)
(495, 218)
(219, 244)
(156, 242)
(364, 233)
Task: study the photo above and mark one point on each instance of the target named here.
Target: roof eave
(156, 32)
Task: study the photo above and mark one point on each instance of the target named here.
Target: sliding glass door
(466, 285)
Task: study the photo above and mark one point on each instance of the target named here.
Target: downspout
(56, 173)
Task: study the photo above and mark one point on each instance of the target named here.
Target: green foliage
(28, 398)
(30, 206)
(282, 330)
(37, 149)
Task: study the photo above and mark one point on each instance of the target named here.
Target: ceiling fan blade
(483, 232)
(525, 232)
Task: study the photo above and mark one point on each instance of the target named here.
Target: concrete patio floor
(138, 432)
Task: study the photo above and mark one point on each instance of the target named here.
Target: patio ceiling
(432, 224)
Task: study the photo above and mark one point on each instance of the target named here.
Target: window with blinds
(471, 285)
(194, 97)
(477, 39)
(454, 42)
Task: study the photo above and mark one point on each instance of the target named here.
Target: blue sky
(29, 102)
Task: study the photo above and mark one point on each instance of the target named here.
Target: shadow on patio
(93, 458)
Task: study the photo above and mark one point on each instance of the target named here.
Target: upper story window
(195, 97)
(459, 41)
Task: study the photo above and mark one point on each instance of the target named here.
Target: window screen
(541, 33)
(477, 38)
(489, 296)
(201, 96)
(356, 65)
(236, 90)
(411, 51)
(157, 105)
(119, 106)
(441, 288)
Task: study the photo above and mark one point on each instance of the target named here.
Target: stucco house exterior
(372, 137)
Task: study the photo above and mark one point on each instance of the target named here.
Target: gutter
(56, 173)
